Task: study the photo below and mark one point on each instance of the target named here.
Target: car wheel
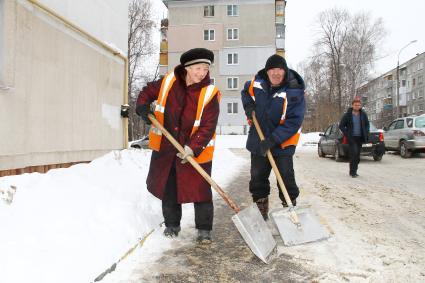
(377, 157)
(320, 151)
(404, 152)
(337, 154)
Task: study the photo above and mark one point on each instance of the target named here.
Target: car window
(420, 122)
(372, 128)
(328, 130)
(392, 125)
(400, 124)
(409, 122)
(335, 130)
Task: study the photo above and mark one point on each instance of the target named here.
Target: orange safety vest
(155, 135)
(293, 140)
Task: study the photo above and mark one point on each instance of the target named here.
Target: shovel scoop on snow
(296, 225)
(249, 221)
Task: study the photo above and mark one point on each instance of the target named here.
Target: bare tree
(344, 53)
(140, 47)
(334, 31)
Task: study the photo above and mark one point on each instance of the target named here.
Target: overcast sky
(403, 20)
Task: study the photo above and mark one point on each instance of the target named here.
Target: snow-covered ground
(70, 225)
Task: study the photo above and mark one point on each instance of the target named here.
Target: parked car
(406, 135)
(141, 143)
(333, 142)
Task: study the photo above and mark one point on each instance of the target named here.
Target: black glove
(248, 110)
(143, 111)
(266, 145)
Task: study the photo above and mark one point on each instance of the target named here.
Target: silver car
(406, 135)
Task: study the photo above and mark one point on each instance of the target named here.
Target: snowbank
(70, 225)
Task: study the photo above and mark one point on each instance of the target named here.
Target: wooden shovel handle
(273, 164)
(195, 164)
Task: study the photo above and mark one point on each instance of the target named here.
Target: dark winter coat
(269, 107)
(179, 117)
(346, 125)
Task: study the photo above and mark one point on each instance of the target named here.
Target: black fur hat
(196, 56)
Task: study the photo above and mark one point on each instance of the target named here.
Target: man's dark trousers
(259, 185)
(355, 146)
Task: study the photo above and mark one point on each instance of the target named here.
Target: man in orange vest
(187, 105)
(277, 96)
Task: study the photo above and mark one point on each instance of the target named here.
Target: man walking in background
(355, 126)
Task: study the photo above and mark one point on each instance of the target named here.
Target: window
(403, 82)
(409, 122)
(414, 82)
(232, 83)
(232, 108)
(232, 59)
(209, 34)
(212, 81)
(420, 80)
(209, 11)
(232, 34)
(232, 10)
(328, 131)
(400, 124)
(280, 31)
(421, 93)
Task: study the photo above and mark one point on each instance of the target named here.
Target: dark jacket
(179, 117)
(269, 108)
(346, 125)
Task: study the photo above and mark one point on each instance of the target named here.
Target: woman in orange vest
(187, 105)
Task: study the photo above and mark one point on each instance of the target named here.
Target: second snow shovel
(249, 221)
(296, 225)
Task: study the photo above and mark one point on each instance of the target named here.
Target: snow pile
(70, 225)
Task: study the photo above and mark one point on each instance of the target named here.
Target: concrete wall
(63, 104)
(104, 19)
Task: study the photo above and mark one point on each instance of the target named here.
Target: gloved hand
(143, 111)
(187, 152)
(266, 144)
(248, 110)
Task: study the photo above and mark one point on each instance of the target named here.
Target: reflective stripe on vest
(293, 140)
(206, 95)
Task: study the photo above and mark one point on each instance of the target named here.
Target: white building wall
(107, 20)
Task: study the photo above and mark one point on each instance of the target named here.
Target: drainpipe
(93, 39)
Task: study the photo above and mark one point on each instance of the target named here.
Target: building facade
(242, 35)
(380, 94)
(62, 83)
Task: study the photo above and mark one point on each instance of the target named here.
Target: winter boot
(263, 207)
(204, 237)
(294, 203)
(171, 231)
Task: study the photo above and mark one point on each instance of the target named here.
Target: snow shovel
(296, 225)
(249, 221)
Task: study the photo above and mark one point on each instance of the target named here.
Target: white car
(140, 143)
(406, 135)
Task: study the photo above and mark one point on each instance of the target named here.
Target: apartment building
(63, 73)
(242, 35)
(379, 95)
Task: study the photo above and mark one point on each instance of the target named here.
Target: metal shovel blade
(255, 232)
(310, 231)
